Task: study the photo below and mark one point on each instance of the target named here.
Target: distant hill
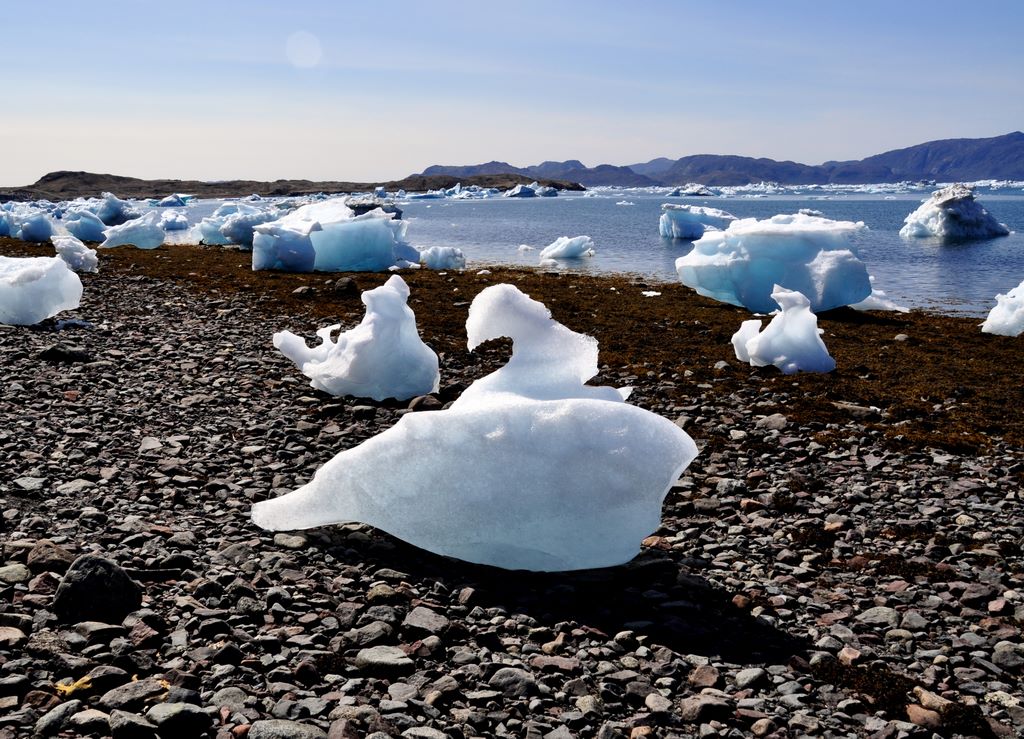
(69, 185)
(999, 157)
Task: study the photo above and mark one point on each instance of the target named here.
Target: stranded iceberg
(690, 221)
(35, 288)
(529, 469)
(952, 213)
(382, 357)
(791, 341)
(743, 264)
(78, 256)
(1007, 318)
(143, 233)
(565, 247)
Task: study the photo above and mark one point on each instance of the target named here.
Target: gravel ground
(810, 578)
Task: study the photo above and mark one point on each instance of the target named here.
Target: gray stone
(96, 589)
(384, 660)
(422, 620)
(281, 729)
(657, 703)
(15, 573)
(513, 682)
(880, 616)
(46, 556)
(53, 721)
(232, 697)
(126, 725)
(134, 695)
(751, 677)
(703, 708)
(179, 720)
(90, 721)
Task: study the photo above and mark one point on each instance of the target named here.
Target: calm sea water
(920, 273)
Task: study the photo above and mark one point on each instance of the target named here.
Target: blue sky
(373, 91)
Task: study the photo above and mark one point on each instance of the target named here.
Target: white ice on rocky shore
(1007, 317)
(791, 341)
(382, 357)
(173, 220)
(238, 228)
(877, 300)
(84, 225)
(812, 255)
(953, 214)
(32, 225)
(35, 288)
(691, 221)
(78, 256)
(143, 233)
(327, 237)
(443, 257)
(529, 469)
(113, 211)
(565, 247)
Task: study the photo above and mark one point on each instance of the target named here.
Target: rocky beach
(843, 559)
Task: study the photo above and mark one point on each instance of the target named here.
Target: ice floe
(791, 341)
(521, 191)
(113, 211)
(78, 256)
(742, 264)
(529, 469)
(33, 289)
(877, 300)
(173, 220)
(1007, 317)
(84, 224)
(691, 221)
(382, 357)
(952, 214)
(443, 257)
(143, 233)
(565, 247)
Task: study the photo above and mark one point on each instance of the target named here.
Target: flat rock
(282, 729)
(96, 589)
(384, 660)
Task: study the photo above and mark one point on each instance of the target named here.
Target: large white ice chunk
(443, 257)
(35, 288)
(84, 225)
(144, 233)
(529, 469)
(238, 228)
(113, 211)
(173, 220)
(382, 357)
(565, 247)
(33, 225)
(791, 341)
(1007, 317)
(812, 255)
(690, 221)
(172, 201)
(953, 214)
(78, 256)
(327, 237)
(520, 191)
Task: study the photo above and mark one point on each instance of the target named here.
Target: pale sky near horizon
(371, 91)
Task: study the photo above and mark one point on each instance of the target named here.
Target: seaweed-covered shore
(843, 559)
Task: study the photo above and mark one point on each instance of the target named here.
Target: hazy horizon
(322, 91)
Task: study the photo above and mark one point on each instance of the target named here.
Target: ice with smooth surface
(171, 201)
(812, 255)
(173, 220)
(1007, 317)
(443, 257)
(84, 225)
(520, 191)
(565, 247)
(34, 225)
(529, 469)
(113, 211)
(791, 341)
(326, 236)
(382, 357)
(952, 214)
(34, 288)
(144, 233)
(878, 300)
(691, 221)
(78, 256)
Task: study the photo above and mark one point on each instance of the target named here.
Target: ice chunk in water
(1007, 317)
(565, 247)
(953, 214)
(78, 256)
(742, 264)
(35, 288)
(382, 357)
(34, 225)
(791, 341)
(174, 220)
(691, 221)
(529, 469)
(144, 233)
(443, 257)
(113, 211)
(84, 225)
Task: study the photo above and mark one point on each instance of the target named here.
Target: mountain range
(947, 160)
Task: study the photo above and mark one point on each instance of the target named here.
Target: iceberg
(84, 225)
(78, 256)
(144, 233)
(1007, 317)
(791, 341)
(544, 191)
(443, 257)
(690, 221)
(520, 191)
(171, 201)
(326, 237)
(382, 357)
(529, 469)
(113, 211)
(33, 225)
(742, 264)
(565, 247)
(34, 288)
(952, 214)
(173, 220)
(238, 227)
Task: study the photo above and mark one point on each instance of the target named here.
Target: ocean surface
(958, 279)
